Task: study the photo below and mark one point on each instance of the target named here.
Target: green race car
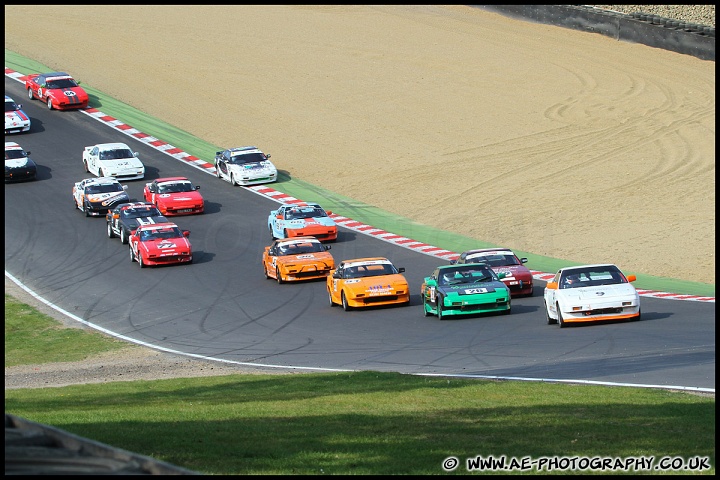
(464, 290)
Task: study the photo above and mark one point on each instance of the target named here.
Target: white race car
(591, 293)
(95, 196)
(244, 166)
(113, 160)
(15, 119)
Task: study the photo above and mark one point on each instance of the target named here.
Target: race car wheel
(86, 209)
(101, 173)
(332, 304)
(217, 171)
(265, 271)
(30, 94)
(132, 255)
(345, 305)
(439, 309)
(560, 320)
(425, 309)
(123, 236)
(110, 232)
(49, 103)
(232, 180)
(285, 234)
(278, 277)
(550, 321)
(140, 260)
(85, 165)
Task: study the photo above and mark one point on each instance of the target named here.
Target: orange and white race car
(298, 258)
(367, 282)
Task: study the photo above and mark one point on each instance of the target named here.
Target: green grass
(31, 337)
(348, 423)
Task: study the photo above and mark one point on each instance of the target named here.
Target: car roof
(157, 226)
(585, 267)
(293, 240)
(171, 179)
(301, 205)
(366, 260)
(488, 250)
(243, 150)
(54, 75)
(8, 98)
(111, 146)
(456, 266)
(12, 146)
(99, 181)
(123, 206)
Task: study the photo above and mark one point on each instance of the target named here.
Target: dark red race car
(518, 277)
(174, 196)
(58, 89)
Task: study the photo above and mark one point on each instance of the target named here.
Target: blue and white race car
(301, 220)
(244, 166)
(15, 119)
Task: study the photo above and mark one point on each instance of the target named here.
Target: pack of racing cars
(478, 282)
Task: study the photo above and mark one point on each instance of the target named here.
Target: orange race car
(298, 258)
(367, 282)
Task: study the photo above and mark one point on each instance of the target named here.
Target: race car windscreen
(247, 158)
(495, 260)
(592, 277)
(300, 213)
(13, 154)
(116, 154)
(61, 83)
(173, 232)
(141, 212)
(178, 187)
(10, 106)
(457, 276)
(105, 188)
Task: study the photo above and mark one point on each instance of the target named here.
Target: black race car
(18, 166)
(124, 219)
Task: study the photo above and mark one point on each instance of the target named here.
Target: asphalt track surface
(221, 307)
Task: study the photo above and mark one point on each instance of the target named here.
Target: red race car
(58, 89)
(160, 244)
(174, 196)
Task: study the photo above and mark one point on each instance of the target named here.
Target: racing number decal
(430, 294)
(39, 93)
(477, 290)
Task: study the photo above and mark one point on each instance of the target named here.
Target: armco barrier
(35, 449)
(651, 30)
